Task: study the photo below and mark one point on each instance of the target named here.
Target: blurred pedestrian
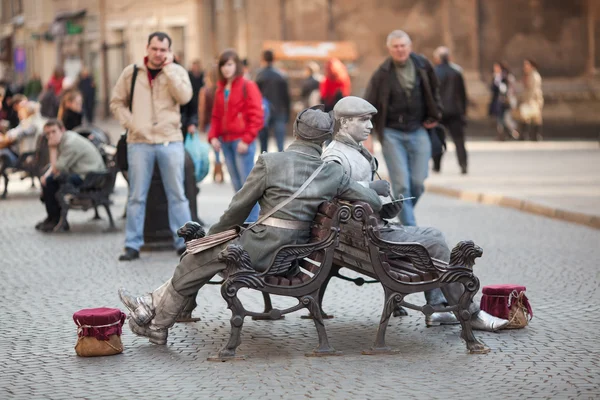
(70, 111)
(49, 102)
(503, 101)
(273, 86)
(16, 102)
(532, 102)
(246, 65)
(56, 80)
(206, 99)
(310, 93)
(87, 87)
(153, 136)
(336, 83)
(404, 89)
(189, 111)
(454, 101)
(237, 116)
(22, 139)
(33, 88)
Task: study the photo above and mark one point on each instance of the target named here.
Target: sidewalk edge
(592, 221)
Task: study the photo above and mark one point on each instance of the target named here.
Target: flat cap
(352, 106)
(314, 124)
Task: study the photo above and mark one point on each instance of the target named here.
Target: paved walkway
(45, 278)
(555, 179)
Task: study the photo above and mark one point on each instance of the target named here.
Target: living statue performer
(352, 127)
(275, 177)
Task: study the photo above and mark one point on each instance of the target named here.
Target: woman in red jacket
(237, 116)
(336, 83)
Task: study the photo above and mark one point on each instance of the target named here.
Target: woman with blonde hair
(532, 102)
(70, 111)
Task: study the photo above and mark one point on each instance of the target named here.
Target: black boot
(129, 255)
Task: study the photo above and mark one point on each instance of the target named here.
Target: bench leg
(238, 313)
(268, 308)
(464, 316)
(96, 215)
(311, 302)
(111, 222)
(322, 289)
(392, 301)
(5, 192)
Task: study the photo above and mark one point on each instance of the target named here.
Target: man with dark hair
(454, 100)
(76, 156)
(274, 87)
(189, 111)
(161, 36)
(153, 135)
(275, 177)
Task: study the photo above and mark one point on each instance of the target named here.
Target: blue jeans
(170, 159)
(9, 157)
(278, 124)
(407, 157)
(239, 167)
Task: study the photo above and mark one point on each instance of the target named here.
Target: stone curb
(592, 221)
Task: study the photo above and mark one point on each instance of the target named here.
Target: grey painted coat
(275, 177)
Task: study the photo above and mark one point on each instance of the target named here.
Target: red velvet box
(99, 331)
(504, 301)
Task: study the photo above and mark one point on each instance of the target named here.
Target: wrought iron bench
(94, 192)
(25, 163)
(402, 269)
(285, 278)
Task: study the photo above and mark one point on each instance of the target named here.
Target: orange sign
(300, 50)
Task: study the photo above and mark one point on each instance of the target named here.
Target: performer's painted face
(358, 128)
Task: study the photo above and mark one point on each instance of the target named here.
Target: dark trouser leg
(536, 132)
(263, 137)
(49, 192)
(437, 162)
(457, 131)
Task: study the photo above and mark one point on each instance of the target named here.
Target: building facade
(105, 35)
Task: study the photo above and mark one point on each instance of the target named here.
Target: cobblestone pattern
(44, 279)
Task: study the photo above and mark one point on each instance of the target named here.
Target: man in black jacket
(454, 99)
(404, 89)
(274, 88)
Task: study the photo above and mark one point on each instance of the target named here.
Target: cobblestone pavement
(45, 278)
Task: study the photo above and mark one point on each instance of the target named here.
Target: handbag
(122, 144)
(198, 151)
(197, 245)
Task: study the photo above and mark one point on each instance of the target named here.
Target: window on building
(17, 7)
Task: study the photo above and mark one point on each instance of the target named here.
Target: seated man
(353, 126)
(72, 157)
(274, 178)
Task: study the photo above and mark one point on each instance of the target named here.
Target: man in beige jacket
(153, 135)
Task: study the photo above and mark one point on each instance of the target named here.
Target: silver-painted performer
(353, 126)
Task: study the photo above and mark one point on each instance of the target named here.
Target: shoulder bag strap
(133, 78)
(292, 197)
